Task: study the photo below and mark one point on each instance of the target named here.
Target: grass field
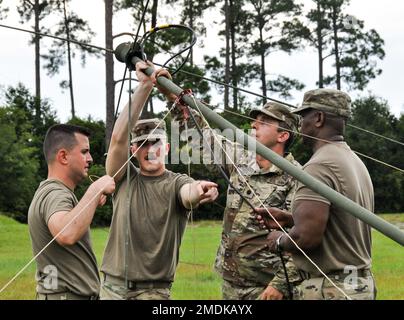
(195, 278)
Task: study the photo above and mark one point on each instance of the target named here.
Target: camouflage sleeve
(222, 147)
(279, 281)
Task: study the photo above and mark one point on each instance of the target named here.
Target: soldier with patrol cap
(338, 243)
(143, 246)
(249, 271)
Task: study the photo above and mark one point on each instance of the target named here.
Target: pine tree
(71, 27)
(356, 50)
(274, 22)
(337, 34)
(37, 10)
(109, 73)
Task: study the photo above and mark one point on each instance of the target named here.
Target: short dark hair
(61, 136)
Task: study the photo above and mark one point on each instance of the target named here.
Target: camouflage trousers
(358, 288)
(111, 291)
(230, 291)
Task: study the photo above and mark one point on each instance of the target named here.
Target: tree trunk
(191, 25)
(109, 74)
(263, 71)
(336, 46)
(233, 54)
(154, 13)
(227, 63)
(37, 63)
(320, 47)
(69, 60)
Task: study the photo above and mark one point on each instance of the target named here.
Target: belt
(339, 274)
(135, 285)
(64, 296)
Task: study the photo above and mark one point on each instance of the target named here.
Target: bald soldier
(337, 242)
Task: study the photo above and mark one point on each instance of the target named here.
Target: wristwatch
(278, 243)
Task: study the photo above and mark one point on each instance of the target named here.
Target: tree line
(252, 32)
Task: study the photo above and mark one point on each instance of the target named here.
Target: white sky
(17, 58)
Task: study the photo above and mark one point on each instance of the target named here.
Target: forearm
(190, 195)
(118, 149)
(304, 239)
(310, 221)
(286, 244)
(80, 217)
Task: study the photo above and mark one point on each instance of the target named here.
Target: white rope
(192, 209)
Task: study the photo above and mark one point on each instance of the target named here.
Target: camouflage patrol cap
(279, 112)
(144, 128)
(328, 100)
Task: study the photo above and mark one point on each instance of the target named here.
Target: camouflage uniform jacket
(242, 257)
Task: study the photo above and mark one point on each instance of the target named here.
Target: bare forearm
(118, 149)
(190, 195)
(305, 240)
(287, 245)
(80, 217)
(310, 221)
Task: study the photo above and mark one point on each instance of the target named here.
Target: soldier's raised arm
(118, 148)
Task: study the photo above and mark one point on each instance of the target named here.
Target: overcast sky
(17, 58)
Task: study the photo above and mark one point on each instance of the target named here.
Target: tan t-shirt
(60, 268)
(155, 228)
(347, 240)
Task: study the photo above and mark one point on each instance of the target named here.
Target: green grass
(195, 277)
(15, 252)
(388, 263)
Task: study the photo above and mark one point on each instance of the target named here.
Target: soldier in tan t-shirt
(143, 246)
(337, 242)
(67, 268)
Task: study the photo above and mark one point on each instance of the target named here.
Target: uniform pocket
(254, 262)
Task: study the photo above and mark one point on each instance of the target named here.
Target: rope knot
(180, 104)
